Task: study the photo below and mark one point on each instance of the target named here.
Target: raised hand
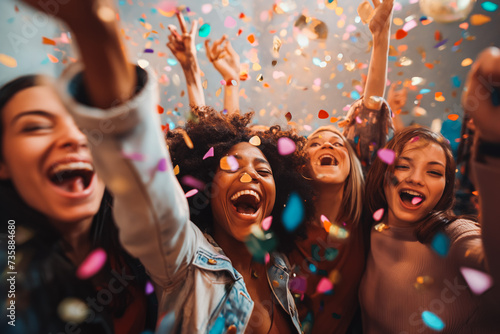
(183, 46)
(481, 96)
(225, 60)
(380, 23)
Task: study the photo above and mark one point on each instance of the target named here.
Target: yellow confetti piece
(217, 93)
(466, 62)
(205, 84)
(398, 21)
(187, 140)
(255, 141)
(8, 61)
(339, 11)
(479, 19)
(245, 178)
(176, 170)
(256, 67)
(331, 4)
(380, 227)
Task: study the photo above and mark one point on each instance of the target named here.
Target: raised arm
(380, 27)
(481, 100)
(127, 144)
(227, 62)
(184, 50)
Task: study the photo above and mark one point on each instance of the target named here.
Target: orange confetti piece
(464, 26)
(160, 109)
(400, 34)
(8, 61)
(453, 117)
(479, 19)
(251, 38)
(52, 58)
(333, 119)
(266, 85)
(466, 62)
(245, 178)
(457, 43)
(48, 41)
(402, 48)
(437, 35)
(426, 22)
(429, 65)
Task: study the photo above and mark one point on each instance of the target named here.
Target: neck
(76, 238)
(234, 249)
(328, 201)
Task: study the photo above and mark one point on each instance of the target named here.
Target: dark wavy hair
(381, 174)
(46, 276)
(212, 129)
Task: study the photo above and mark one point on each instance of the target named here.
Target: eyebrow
(30, 113)
(259, 160)
(429, 163)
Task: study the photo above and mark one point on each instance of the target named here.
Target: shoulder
(462, 228)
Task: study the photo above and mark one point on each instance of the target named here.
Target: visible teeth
(413, 193)
(246, 192)
(334, 160)
(72, 166)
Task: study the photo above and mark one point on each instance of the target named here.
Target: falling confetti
(441, 244)
(245, 178)
(416, 200)
(8, 61)
(191, 193)
(323, 114)
(377, 215)
(293, 214)
(192, 182)
(386, 155)
(286, 146)
(92, 264)
(266, 223)
(229, 22)
(229, 163)
(204, 30)
(478, 281)
(479, 19)
(324, 286)
(162, 165)
(73, 310)
(149, 288)
(432, 321)
(255, 141)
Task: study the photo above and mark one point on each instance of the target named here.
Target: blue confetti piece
(167, 323)
(45, 61)
(425, 91)
(199, 46)
(154, 11)
(293, 214)
(393, 58)
(432, 84)
(171, 61)
(340, 67)
(455, 80)
(11, 20)
(340, 85)
(142, 20)
(218, 327)
(312, 268)
(432, 321)
(316, 61)
(489, 6)
(441, 244)
(443, 42)
(355, 95)
(149, 51)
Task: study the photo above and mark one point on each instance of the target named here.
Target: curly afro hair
(211, 129)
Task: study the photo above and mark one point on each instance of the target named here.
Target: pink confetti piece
(92, 264)
(386, 155)
(414, 139)
(478, 281)
(286, 146)
(266, 223)
(191, 193)
(162, 165)
(149, 288)
(209, 154)
(359, 120)
(410, 25)
(267, 258)
(192, 182)
(133, 156)
(206, 8)
(233, 163)
(229, 22)
(377, 215)
(324, 285)
(416, 200)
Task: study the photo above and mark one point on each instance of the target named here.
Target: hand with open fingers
(397, 98)
(481, 95)
(76, 12)
(380, 23)
(225, 60)
(183, 46)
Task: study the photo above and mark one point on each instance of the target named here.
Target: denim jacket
(198, 289)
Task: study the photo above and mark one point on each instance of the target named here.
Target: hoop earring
(306, 178)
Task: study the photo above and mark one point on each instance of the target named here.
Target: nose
(249, 175)
(327, 144)
(415, 177)
(71, 138)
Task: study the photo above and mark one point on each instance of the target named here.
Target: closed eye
(33, 128)
(338, 144)
(314, 144)
(402, 167)
(264, 172)
(435, 173)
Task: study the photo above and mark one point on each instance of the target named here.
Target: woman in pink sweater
(428, 270)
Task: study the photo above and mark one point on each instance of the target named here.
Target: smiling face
(328, 157)
(246, 196)
(46, 157)
(420, 170)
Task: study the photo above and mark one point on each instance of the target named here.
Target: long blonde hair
(352, 206)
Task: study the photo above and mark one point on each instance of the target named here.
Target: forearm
(109, 79)
(194, 85)
(377, 72)
(231, 97)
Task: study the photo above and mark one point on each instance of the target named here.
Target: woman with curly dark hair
(234, 201)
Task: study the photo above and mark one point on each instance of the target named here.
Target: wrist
(381, 39)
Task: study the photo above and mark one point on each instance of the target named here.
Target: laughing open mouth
(328, 160)
(411, 198)
(72, 176)
(246, 202)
